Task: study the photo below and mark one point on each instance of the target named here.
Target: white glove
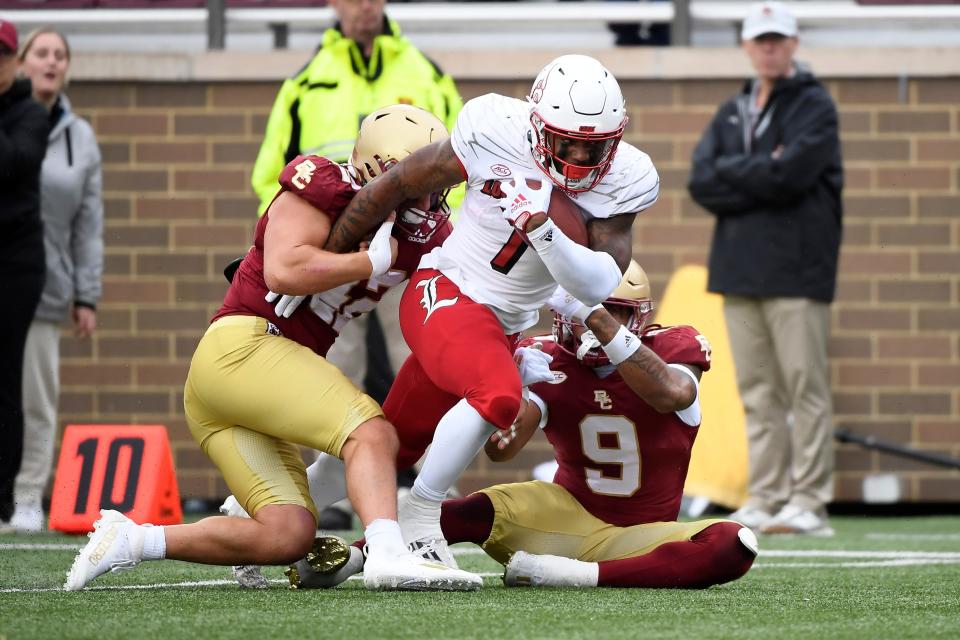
(380, 250)
(566, 305)
(287, 304)
(534, 365)
(523, 201)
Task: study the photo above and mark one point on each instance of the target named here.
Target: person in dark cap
(23, 143)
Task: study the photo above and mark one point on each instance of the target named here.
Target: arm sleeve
(589, 276)
(809, 144)
(705, 185)
(86, 241)
(272, 155)
(691, 415)
(544, 415)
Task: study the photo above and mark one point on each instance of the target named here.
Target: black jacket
(24, 125)
(779, 221)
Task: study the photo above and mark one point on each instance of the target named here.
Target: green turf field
(878, 578)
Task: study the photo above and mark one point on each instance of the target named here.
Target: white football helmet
(575, 101)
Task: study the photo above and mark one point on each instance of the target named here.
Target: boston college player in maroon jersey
(258, 385)
(622, 414)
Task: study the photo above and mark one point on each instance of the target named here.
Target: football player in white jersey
(465, 307)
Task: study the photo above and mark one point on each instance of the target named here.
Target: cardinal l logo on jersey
(429, 300)
(603, 399)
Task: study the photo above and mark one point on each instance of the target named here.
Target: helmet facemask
(386, 137)
(420, 224)
(549, 150)
(576, 340)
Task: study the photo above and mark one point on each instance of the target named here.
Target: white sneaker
(531, 570)
(330, 562)
(799, 521)
(420, 525)
(750, 517)
(27, 518)
(407, 572)
(116, 544)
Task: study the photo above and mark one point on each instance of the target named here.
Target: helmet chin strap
(588, 341)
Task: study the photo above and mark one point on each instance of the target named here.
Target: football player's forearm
(589, 276)
(306, 270)
(429, 169)
(644, 371)
(368, 209)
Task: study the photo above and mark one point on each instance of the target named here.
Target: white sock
(154, 543)
(460, 435)
(383, 537)
(327, 480)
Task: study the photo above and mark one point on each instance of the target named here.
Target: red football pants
(459, 351)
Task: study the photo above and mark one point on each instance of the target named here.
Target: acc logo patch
(500, 170)
(558, 377)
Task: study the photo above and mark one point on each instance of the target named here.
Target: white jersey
(484, 256)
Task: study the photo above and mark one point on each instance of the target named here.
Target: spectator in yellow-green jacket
(363, 63)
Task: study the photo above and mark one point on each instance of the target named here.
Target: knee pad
(500, 408)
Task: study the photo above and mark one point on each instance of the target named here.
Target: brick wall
(177, 158)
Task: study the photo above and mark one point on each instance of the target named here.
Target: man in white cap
(768, 168)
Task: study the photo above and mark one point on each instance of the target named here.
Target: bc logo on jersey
(304, 174)
(429, 300)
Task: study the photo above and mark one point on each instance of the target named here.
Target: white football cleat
(751, 517)
(249, 576)
(433, 549)
(406, 572)
(116, 544)
(330, 562)
(531, 570)
(420, 524)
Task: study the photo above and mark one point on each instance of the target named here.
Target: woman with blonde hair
(72, 211)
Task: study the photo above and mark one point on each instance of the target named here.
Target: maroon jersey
(621, 459)
(316, 323)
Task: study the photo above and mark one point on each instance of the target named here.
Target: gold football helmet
(632, 294)
(386, 137)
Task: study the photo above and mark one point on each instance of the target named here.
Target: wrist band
(622, 346)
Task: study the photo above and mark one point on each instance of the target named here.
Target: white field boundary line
(764, 553)
(903, 562)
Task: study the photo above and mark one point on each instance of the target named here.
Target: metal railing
(219, 19)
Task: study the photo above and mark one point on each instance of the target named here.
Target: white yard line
(913, 536)
(172, 585)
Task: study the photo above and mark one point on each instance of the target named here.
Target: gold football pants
(543, 518)
(252, 396)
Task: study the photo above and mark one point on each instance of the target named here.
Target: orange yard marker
(123, 467)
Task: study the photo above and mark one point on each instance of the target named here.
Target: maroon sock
(713, 556)
(467, 519)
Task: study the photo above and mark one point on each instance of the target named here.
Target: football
(567, 215)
